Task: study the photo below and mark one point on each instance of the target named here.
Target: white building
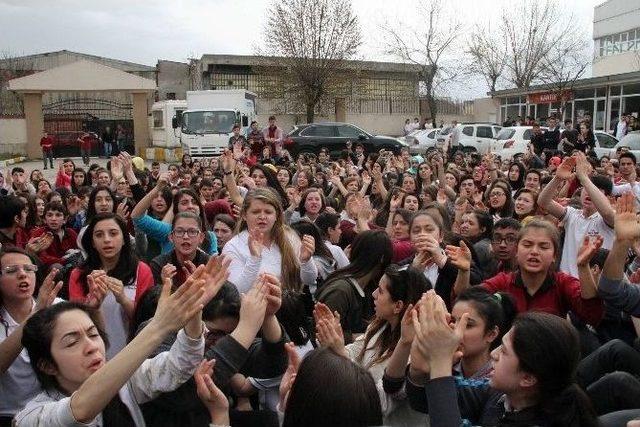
(616, 37)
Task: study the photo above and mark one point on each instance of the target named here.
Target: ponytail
(569, 408)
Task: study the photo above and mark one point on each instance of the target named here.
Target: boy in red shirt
(63, 247)
(46, 142)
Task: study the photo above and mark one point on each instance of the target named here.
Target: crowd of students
(366, 289)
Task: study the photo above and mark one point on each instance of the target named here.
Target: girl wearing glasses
(111, 278)
(186, 236)
(499, 200)
(18, 383)
(185, 200)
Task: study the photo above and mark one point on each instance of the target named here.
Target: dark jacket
(478, 404)
(170, 258)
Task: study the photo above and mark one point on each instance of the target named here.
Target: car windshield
(202, 122)
(505, 134)
(446, 131)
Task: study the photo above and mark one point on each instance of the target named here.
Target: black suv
(309, 138)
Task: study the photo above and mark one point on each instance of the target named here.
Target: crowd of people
(365, 289)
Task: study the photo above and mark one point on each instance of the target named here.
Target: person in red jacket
(112, 277)
(46, 142)
(61, 249)
(65, 173)
(535, 285)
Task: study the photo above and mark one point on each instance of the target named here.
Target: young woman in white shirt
(266, 244)
(66, 346)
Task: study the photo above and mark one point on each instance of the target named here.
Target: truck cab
(207, 123)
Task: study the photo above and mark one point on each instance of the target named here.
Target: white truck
(164, 118)
(207, 123)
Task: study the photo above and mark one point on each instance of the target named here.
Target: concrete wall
(13, 136)
(485, 110)
(616, 64)
(172, 77)
(615, 16)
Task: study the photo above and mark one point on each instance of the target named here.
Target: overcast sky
(144, 31)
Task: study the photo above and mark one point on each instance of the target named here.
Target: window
(505, 134)
(171, 95)
(631, 89)
(583, 93)
(468, 130)
(484, 132)
(527, 135)
(496, 129)
(614, 90)
(157, 118)
(431, 134)
(601, 91)
(326, 131)
(349, 132)
(605, 141)
(626, 41)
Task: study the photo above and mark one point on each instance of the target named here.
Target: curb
(7, 162)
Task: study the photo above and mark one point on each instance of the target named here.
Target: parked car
(309, 138)
(604, 143)
(421, 140)
(65, 144)
(512, 140)
(630, 142)
(474, 137)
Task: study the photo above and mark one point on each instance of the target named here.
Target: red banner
(547, 97)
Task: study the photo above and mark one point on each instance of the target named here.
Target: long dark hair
(507, 209)
(406, 285)
(332, 390)
(85, 182)
(127, 266)
(516, 185)
(91, 209)
(548, 347)
(497, 310)
(272, 181)
(38, 334)
(306, 227)
(370, 251)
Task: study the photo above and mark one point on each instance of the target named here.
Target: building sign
(549, 97)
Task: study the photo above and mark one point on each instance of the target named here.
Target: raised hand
(123, 211)
(256, 242)
(164, 179)
(48, 291)
(175, 310)
(254, 306)
(589, 247)
(116, 167)
(307, 248)
(565, 169)
(583, 167)
(459, 256)
(211, 396)
(116, 287)
(98, 290)
(627, 226)
(436, 339)
(407, 331)
(395, 202)
(289, 376)
(168, 272)
(273, 293)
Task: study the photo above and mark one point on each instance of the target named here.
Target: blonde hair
(290, 266)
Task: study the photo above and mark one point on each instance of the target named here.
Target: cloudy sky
(144, 31)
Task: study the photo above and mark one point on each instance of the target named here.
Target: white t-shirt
(455, 136)
(576, 226)
(19, 384)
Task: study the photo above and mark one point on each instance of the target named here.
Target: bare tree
(11, 67)
(488, 55)
(432, 46)
(308, 44)
(561, 68)
(541, 29)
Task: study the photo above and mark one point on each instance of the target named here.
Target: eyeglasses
(191, 232)
(497, 194)
(509, 240)
(14, 268)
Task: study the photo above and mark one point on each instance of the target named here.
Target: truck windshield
(208, 121)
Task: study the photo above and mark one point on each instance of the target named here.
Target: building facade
(614, 87)
(378, 99)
